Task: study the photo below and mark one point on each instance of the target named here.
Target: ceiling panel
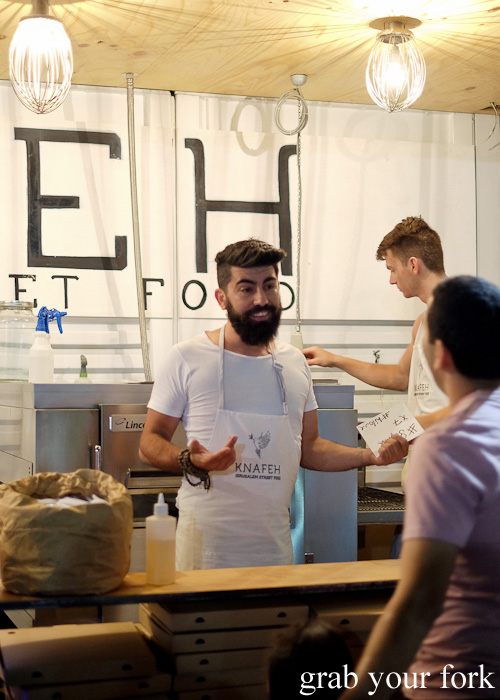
(251, 47)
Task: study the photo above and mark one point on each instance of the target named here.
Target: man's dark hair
(303, 651)
(414, 238)
(465, 316)
(248, 253)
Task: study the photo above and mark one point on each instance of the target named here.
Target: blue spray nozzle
(55, 314)
(45, 316)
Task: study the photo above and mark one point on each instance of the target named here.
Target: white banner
(66, 203)
(65, 200)
(355, 189)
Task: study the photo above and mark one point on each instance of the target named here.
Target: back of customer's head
(300, 654)
(413, 237)
(465, 316)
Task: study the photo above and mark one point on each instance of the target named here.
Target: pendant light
(40, 60)
(395, 75)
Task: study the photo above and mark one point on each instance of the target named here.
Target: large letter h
(203, 205)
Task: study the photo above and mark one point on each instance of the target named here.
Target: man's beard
(254, 332)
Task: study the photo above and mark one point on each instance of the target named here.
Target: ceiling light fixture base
(385, 22)
(52, 2)
(298, 79)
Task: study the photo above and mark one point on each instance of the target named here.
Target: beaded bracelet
(189, 469)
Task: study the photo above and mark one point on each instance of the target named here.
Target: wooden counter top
(227, 584)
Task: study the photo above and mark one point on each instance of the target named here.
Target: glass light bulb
(395, 75)
(41, 63)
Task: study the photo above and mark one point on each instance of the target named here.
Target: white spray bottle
(160, 545)
(41, 355)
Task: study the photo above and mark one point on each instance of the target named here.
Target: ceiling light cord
(497, 119)
(303, 116)
(299, 224)
(294, 94)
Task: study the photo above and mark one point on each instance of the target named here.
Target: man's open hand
(213, 461)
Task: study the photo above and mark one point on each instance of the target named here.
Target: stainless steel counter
(27, 395)
(56, 427)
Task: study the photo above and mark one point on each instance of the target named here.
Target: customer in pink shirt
(439, 636)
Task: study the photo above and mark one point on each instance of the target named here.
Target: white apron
(244, 519)
(424, 395)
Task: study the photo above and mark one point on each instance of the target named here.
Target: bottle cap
(83, 366)
(161, 508)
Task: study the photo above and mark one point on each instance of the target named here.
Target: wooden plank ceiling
(251, 47)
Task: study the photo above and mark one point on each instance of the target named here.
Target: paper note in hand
(396, 420)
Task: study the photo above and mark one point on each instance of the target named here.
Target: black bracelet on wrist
(189, 469)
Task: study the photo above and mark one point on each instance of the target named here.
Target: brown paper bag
(48, 550)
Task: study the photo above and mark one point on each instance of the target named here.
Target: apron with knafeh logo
(244, 519)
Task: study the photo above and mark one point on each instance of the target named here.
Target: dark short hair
(465, 316)
(248, 253)
(414, 238)
(306, 648)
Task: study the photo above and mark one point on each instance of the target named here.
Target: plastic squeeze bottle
(41, 354)
(160, 545)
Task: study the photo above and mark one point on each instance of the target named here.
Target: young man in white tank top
(414, 257)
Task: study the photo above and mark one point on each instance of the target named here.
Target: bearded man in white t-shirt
(248, 409)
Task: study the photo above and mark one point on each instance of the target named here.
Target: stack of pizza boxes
(101, 661)
(219, 651)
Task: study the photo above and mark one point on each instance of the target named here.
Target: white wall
(487, 136)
